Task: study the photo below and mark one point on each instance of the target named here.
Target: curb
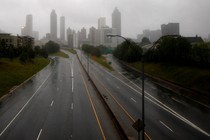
(11, 91)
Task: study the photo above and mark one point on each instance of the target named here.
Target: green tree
(51, 47)
(37, 50)
(3, 48)
(144, 41)
(31, 53)
(201, 53)
(44, 53)
(11, 52)
(129, 52)
(174, 50)
(89, 49)
(23, 57)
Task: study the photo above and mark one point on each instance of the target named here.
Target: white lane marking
(166, 126)
(161, 105)
(72, 106)
(72, 69)
(133, 100)
(72, 75)
(72, 86)
(24, 105)
(40, 132)
(52, 103)
(180, 117)
(118, 87)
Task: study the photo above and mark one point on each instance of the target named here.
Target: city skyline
(194, 19)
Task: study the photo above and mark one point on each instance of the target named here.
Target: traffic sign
(138, 125)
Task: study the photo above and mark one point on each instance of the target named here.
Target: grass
(102, 61)
(191, 77)
(13, 72)
(60, 54)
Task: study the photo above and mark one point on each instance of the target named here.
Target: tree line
(173, 50)
(96, 50)
(27, 53)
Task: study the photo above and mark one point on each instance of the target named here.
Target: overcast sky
(137, 15)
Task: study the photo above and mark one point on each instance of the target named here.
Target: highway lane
(162, 123)
(20, 97)
(109, 127)
(196, 112)
(53, 105)
(133, 107)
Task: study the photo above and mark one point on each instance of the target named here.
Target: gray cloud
(136, 14)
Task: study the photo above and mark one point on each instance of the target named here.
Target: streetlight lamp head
(110, 35)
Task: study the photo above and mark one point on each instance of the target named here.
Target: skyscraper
(29, 25)
(27, 30)
(101, 22)
(62, 29)
(71, 37)
(170, 29)
(23, 31)
(69, 31)
(53, 25)
(82, 36)
(116, 21)
(92, 36)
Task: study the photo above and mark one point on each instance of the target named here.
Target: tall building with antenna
(27, 30)
(62, 29)
(53, 26)
(116, 21)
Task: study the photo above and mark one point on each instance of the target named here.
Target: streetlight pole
(88, 66)
(142, 68)
(142, 61)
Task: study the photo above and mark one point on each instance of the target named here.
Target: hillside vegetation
(188, 76)
(14, 72)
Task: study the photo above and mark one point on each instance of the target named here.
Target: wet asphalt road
(168, 115)
(53, 105)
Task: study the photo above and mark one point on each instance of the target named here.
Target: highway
(168, 116)
(58, 103)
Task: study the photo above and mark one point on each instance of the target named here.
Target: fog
(137, 15)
